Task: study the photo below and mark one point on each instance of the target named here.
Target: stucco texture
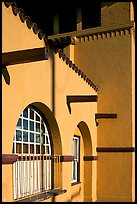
(108, 63)
(45, 84)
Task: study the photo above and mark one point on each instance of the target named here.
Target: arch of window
(31, 134)
(33, 170)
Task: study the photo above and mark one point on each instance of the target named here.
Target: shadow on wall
(107, 4)
(73, 196)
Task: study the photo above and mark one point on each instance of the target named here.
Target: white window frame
(76, 161)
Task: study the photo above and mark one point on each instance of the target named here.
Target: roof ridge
(53, 43)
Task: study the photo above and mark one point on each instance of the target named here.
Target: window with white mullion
(75, 162)
(31, 139)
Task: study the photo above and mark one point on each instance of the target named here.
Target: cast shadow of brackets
(5, 74)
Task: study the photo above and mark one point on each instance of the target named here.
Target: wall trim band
(9, 158)
(90, 158)
(115, 149)
(66, 158)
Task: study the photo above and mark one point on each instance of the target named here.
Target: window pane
(25, 124)
(42, 149)
(42, 128)
(75, 163)
(47, 141)
(37, 149)
(75, 170)
(47, 150)
(25, 148)
(25, 136)
(31, 114)
(37, 138)
(37, 127)
(73, 175)
(31, 149)
(18, 148)
(31, 137)
(18, 135)
(31, 126)
(43, 139)
(37, 118)
(25, 113)
(19, 124)
(75, 148)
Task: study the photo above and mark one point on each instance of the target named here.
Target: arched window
(32, 171)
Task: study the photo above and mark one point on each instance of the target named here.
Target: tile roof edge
(49, 42)
(19, 11)
(76, 69)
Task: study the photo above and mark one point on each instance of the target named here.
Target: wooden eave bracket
(60, 43)
(104, 116)
(24, 56)
(79, 99)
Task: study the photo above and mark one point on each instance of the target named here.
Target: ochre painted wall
(109, 64)
(7, 183)
(114, 171)
(109, 61)
(18, 39)
(32, 83)
(114, 13)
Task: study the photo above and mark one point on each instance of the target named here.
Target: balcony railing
(33, 174)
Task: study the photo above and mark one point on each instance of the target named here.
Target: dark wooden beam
(115, 149)
(104, 116)
(24, 56)
(9, 158)
(90, 158)
(79, 99)
(66, 158)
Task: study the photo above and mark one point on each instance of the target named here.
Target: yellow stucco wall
(32, 83)
(115, 178)
(109, 64)
(18, 39)
(7, 183)
(114, 12)
(109, 61)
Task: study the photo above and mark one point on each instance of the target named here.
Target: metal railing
(33, 174)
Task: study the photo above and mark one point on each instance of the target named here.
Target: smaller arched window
(32, 171)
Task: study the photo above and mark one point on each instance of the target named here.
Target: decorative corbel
(80, 98)
(104, 116)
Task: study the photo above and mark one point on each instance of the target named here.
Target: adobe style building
(68, 102)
